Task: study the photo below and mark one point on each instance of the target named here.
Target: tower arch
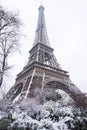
(69, 88)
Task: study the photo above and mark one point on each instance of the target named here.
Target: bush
(4, 123)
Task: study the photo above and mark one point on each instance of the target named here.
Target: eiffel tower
(43, 74)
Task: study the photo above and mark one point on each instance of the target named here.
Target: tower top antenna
(41, 2)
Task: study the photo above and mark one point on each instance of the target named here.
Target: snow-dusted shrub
(49, 116)
(79, 119)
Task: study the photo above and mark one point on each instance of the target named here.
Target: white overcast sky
(66, 22)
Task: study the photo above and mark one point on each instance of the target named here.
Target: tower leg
(30, 84)
(43, 80)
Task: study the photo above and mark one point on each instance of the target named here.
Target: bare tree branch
(9, 36)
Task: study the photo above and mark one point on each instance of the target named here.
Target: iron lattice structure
(43, 75)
